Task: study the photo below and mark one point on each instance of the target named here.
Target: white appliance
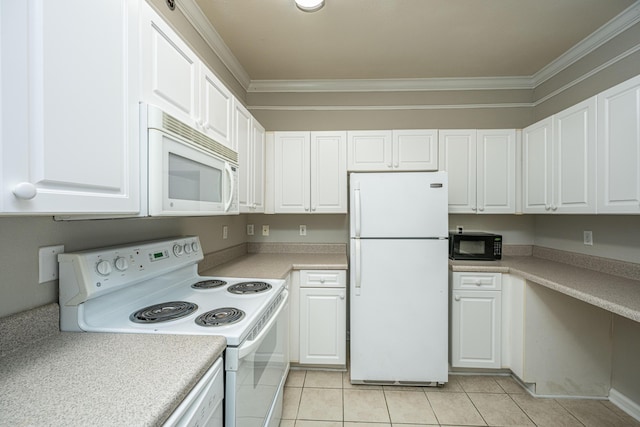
(188, 172)
(398, 272)
(153, 287)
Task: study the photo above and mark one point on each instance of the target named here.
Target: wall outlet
(48, 263)
(459, 229)
(265, 230)
(303, 230)
(588, 238)
(249, 229)
(225, 232)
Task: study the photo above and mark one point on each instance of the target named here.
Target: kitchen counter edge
(615, 294)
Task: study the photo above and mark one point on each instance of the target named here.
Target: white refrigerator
(398, 278)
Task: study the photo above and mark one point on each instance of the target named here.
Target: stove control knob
(103, 268)
(187, 248)
(194, 246)
(121, 263)
(178, 250)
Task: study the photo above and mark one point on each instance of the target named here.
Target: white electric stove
(153, 287)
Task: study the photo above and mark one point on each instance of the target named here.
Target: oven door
(256, 372)
(184, 180)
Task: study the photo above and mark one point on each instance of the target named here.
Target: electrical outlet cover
(48, 263)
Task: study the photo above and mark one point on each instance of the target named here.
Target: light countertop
(616, 294)
(277, 265)
(90, 379)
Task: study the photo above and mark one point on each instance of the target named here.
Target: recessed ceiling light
(309, 5)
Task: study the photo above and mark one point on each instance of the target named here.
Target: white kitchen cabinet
(476, 312)
(170, 69)
(252, 171)
(249, 138)
(176, 80)
(70, 115)
(323, 303)
(310, 173)
(619, 148)
(559, 162)
(216, 108)
(397, 150)
(481, 166)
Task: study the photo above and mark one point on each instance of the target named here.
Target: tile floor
(328, 399)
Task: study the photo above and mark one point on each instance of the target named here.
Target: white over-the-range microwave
(183, 172)
(188, 173)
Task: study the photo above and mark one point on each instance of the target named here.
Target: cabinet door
(574, 159)
(619, 148)
(258, 137)
(369, 150)
(496, 171)
(170, 69)
(476, 329)
(242, 142)
(323, 326)
(537, 164)
(292, 174)
(65, 75)
(328, 172)
(457, 152)
(415, 150)
(216, 108)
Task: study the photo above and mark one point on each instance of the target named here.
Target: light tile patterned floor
(328, 399)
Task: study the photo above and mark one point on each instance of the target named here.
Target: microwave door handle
(250, 346)
(229, 173)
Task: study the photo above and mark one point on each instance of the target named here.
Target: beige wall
(20, 238)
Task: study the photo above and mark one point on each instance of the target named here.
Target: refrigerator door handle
(356, 195)
(358, 266)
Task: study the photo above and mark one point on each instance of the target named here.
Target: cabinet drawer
(477, 281)
(323, 278)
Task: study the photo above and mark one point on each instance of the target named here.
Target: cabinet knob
(481, 209)
(341, 296)
(547, 207)
(457, 298)
(25, 191)
(554, 207)
(473, 208)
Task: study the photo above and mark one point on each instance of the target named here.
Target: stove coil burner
(163, 312)
(208, 284)
(220, 317)
(245, 288)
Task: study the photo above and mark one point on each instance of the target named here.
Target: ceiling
(403, 39)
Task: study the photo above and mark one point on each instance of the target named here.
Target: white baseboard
(623, 402)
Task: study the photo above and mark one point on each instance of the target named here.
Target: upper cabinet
(176, 80)
(250, 141)
(170, 69)
(70, 116)
(216, 109)
(481, 166)
(619, 148)
(559, 162)
(310, 172)
(397, 150)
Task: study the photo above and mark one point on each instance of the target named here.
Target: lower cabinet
(323, 303)
(476, 312)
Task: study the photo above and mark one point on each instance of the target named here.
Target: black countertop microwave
(475, 246)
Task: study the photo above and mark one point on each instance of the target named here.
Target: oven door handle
(250, 346)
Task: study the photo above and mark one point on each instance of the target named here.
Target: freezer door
(399, 204)
(399, 310)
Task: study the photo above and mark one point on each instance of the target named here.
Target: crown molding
(391, 85)
(611, 29)
(197, 18)
(388, 107)
(623, 21)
